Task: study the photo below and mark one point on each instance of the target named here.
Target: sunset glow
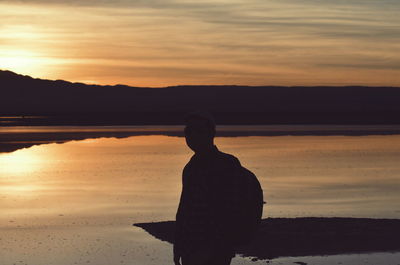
(20, 163)
(172, 42)
(20, 61)
(18, 172)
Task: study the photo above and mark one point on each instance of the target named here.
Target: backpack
(250, 208)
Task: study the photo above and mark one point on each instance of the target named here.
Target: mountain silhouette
(65, 102)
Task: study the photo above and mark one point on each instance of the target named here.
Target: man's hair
(202, 115)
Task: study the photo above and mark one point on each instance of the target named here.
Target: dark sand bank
(283, 237)
(14, 138)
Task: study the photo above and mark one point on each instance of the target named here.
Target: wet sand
(310, 236)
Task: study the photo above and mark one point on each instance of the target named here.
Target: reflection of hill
(77, 103)
(282, 237)
(14, 138)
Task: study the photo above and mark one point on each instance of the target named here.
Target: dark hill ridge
(77, 103)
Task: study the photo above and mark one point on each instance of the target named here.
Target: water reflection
(20, 163)
(19, 172)
(302, 176)
(96, 188)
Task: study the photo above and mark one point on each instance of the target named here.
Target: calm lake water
(75, 203)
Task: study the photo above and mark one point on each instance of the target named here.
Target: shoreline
(13, 138)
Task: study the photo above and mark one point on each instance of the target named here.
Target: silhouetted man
(206, 212)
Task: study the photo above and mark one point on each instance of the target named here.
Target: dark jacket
(208, 201)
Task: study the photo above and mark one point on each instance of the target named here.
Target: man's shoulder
(229, 158)
(226, 160)
(219, 156)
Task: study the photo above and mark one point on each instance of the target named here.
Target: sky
(186, 42)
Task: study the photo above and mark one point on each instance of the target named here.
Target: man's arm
(177, 248)
(179, 219)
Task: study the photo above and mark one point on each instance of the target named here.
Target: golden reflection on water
(140, 176)
(95, 177)
(75, 202)
(19, 171)
(20, 163)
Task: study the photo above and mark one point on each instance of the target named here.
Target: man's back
(208, 199)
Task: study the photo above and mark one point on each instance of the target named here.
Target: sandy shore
(282, 237)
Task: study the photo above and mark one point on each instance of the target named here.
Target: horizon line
(183, 85)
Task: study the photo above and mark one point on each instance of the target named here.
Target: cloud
(370, 66)
(224, 38)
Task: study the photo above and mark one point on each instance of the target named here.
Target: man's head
(199, 131)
